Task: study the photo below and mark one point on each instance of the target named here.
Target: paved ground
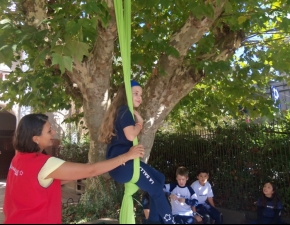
(69, 195)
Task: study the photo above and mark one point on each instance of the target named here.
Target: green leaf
(81, 34)
(64, 62)
(150, 3)
(196, 9)
(78, 49)
(242, 19)
(67, 62)
(62, 50)
(208, 10)
(6, 55)
(94, 21)
(228, 7)
(165, 3)
(40, 57)
(72, 28)
(172, 51)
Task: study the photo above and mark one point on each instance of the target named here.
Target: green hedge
(240, 159)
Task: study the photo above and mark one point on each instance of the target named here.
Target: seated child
(269, 206)
(204, 194)
(182, 198)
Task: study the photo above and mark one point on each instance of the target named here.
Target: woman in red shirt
(33, 189)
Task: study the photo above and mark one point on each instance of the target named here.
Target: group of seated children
(189, 203)
(194, 203)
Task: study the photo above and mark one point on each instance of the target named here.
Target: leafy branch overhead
(196, 59)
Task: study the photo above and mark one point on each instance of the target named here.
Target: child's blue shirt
(119, 143)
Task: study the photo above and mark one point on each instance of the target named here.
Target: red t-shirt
(26, 201)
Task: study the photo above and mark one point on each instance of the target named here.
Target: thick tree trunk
(162, 94)
(92, 76)
(93, 80)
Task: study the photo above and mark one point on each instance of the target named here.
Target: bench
(229, 217)
(232, 216)
(250, 216)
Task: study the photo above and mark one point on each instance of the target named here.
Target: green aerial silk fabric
(123, 17)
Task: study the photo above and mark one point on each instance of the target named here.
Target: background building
(9, 121)
(280, 91)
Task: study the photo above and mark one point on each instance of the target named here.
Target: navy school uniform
(150, 180)
(268, 214)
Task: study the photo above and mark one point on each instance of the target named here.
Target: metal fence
(240, 160)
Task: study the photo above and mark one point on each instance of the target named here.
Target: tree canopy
(205, 57)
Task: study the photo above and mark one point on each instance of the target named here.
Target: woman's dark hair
(275, 196)
(29, 126)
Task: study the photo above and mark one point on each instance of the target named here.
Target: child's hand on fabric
(138, 118)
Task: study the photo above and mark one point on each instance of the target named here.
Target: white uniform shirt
(179, 208)
(202, 192)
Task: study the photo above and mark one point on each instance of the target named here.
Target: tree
(73, 54)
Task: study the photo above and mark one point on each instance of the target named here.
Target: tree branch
(34, 11)
(189, 34)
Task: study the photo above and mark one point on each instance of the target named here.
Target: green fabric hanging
(123, 18)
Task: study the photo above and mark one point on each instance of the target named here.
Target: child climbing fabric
(118, 130)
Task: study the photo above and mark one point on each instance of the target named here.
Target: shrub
(75, 152)
(102, 199)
